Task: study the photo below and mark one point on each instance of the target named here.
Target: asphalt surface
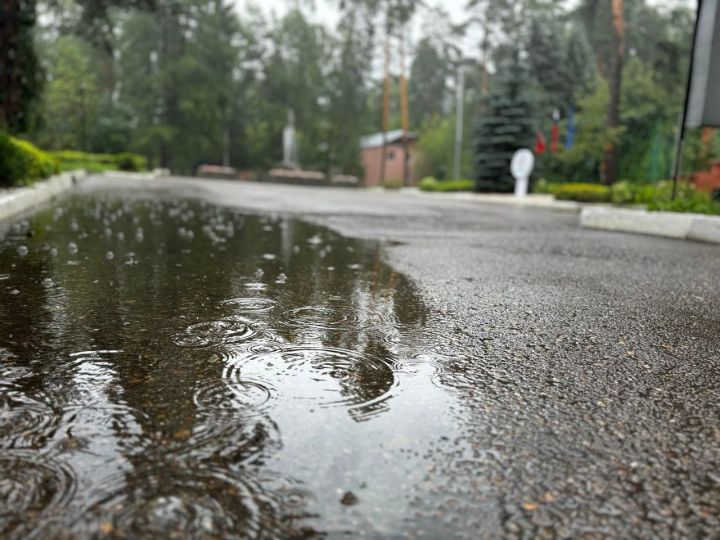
(586, 363)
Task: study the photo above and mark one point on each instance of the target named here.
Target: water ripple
(172, 502)
(323, 377)
(23, 419)
(248, 305)
(31, 486)
(320, 317)
(210, 333)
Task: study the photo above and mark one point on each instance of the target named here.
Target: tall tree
(505, 126)
(20, 74)
(295, 77)
(428, 82)
(348, 91)
(605, 21)
(70, 103)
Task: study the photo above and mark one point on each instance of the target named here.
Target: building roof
(376, 139)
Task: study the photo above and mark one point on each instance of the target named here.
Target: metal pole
(226, 146)
(681, 138)
(404, 114)
(459, 95)
(386, 109)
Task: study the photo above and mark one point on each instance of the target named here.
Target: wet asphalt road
(589, 366)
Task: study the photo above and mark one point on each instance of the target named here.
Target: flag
(539, 142)
(570, 135)
(554, 131)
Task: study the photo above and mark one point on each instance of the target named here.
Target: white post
(521, 186)
(521, 165)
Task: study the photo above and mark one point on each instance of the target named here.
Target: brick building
(372, 152)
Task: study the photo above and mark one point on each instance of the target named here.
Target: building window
(390, 155)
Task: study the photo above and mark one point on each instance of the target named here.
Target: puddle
(176, 369)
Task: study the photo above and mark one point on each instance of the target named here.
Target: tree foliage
(186, 82)
(506, 126)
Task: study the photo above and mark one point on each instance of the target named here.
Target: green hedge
(431, 184)
(581, 192)
(21, 163)
(125, 161)
(656, 196)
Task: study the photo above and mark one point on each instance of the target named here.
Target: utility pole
(404, 112)
(226, 146)
(459, 100)
(386, 108)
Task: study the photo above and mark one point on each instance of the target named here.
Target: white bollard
(521, 166)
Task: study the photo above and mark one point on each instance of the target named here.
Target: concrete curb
(17, 200)
(548, 202)
(152, 175)
(668, 224)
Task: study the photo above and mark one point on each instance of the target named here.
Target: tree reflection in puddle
(222, 375)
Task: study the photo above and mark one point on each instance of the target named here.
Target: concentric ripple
(229, 423)
(243, 398)
(23, 419)
(324, 377)
(202, 502)
(205, 334)
(248, 305)
(31, 486)
(320, 317)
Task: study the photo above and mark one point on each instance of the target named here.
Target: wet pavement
(388, 366)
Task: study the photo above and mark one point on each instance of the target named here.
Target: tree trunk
(609, 167)
(11, 72)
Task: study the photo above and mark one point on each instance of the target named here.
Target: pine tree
(505, 126)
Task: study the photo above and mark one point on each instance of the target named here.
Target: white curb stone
(16, 200)
(667, 224)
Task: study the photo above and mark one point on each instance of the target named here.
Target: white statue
(289, 143)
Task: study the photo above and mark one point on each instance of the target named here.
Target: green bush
(542, 186)
(13, 163)
(125, 161)
(574, 191)
(41, 164)
(431, 184)
(393, 183)
(581, 192)
(623, 193)
(22, 163)
(427, 184)
(693, 205)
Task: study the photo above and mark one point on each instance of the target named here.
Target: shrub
(21, 162)
(430, 184)
(125, 161)
(687, 200)
(581, 192)
(13, 162)
(542, 186)
(393, 183)
(41, 164)
(623, 193)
